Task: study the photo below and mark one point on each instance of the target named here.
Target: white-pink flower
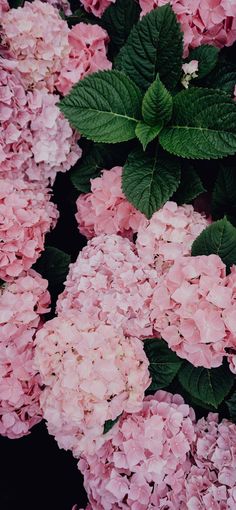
(106, 210)
(22, 304)
(92, 373)
(96, 7)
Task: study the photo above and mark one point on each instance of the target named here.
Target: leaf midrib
(199, 128)
(101, 112)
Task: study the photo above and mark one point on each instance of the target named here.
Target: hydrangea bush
(134, 369)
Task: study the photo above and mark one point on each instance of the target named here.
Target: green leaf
(53, 265)
(224, 193)
(203, 125)
(231, 404)
(119, 19)
(14, 4)
(223, 77)
(157, 104)
(218, 238)
(164, 364)
(109, 424)
(207, 57)
(105, 107)
(146, 133)
(154, 45)
(208, 386)
(148, 182)
(190, 186)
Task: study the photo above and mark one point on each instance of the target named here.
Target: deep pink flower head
(92, 373)
(193, 309)
(36, 38)
(106, 210)
(169, 234)
(96, 7)
(26, 215)
(109, 283)
(36, 141)
(22, 304)
(88, 47)
(145, 457)
(202, 21)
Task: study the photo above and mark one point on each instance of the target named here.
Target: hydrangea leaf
(190, 186)
(157, 104)
(218, 238)
(223, 77)
(146, 133)
(118, 20)
(104, 107)
(207, 57)
(208, 386)
(224, 193)
(231, 404)
(164, 364)
(154, 45)
(149, 181)
(109, 424)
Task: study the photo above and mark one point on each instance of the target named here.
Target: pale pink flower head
(88, 48)
(106, 210)
(190, 70)
(168, 235)
(36, 37)
(96, 7)
(145, 458)
(92, 373)
(22, 304)
(62, 5)
(26, 215)
(193, 309)
(36, 141)
(108, 282)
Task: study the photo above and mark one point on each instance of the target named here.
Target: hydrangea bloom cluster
(92, 374)
(145, 458)
(202, 21)
(4, 7)
(63, 5)
(26, 215)
(36, 37)
(21, 305)
(35, 139)
(106, 210)
(193, 309)
(169, 234)
(109, 283)
(87, 55)
(96, 7)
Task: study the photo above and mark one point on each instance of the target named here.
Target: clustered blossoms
(193, 309)
(97, 7)
(106, 210)
(22, 303)
(202, 21)
(109, 283)
(92, 374)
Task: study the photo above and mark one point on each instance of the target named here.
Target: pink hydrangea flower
(88, 46)
(36, 141)
(193, 309)
(4, 7)
(22, 304)
(62, 5)
(96, 7)
(92, 374)
(202, 21)
(26, 215)
(36, 37)
(106, 210)
(109, 283)
(145, 458)
(168, 235)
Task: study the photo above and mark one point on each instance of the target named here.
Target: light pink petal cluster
(21, 305)
(202, 21)
(96, 7)
(36, 141)
(109, 283)
(168, 235)
(88, 48)
(26, 215)
(36, 37)
(106, 210)
(62, 5)
(145, 457)
(4, 7)
(193, 309)
(92, 374)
